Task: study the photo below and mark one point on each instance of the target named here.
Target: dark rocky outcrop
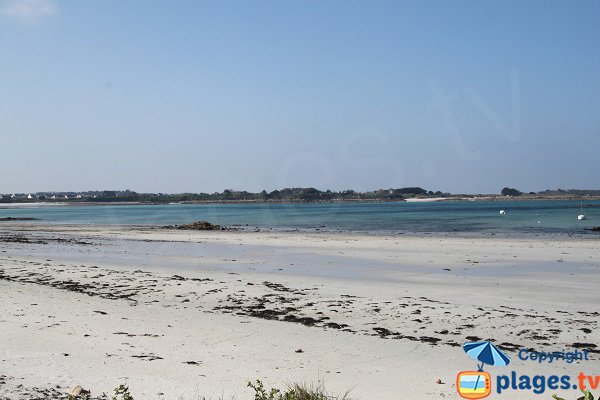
(197, 226)
(19, 219)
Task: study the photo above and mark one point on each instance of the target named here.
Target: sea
(466, 217)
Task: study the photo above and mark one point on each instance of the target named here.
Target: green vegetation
(121, 392)
(287, 195)
(570, 192)
(293, 392)
(587, 395)
(510, 192)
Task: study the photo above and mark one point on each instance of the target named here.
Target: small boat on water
(581, 215)
(502, 212)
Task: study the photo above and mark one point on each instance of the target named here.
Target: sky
(199, 96)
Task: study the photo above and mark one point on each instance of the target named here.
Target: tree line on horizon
(228, 195)
(299, 195)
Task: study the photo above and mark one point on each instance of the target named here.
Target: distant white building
(53, 197)
(29, 196)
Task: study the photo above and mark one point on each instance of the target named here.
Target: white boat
(581, 215)
(502, 212)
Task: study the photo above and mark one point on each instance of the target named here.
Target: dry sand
(189, 314)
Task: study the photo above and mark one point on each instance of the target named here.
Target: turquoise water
(459, 216)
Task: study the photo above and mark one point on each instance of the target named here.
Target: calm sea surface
(461, 216)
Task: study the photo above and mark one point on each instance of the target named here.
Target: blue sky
(177, 96)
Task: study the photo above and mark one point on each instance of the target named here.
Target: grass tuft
(293, 392)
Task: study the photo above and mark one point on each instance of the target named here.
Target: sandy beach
(299, 200)
(186, 314)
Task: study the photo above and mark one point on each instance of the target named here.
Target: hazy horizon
(460, 97)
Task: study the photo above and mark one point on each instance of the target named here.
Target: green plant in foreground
(587, 395)
(293, 392)
(261, 394)
(122, 393)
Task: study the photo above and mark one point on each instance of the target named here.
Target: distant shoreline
(457, 198)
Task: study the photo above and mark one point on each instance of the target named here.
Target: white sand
(202, 297)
